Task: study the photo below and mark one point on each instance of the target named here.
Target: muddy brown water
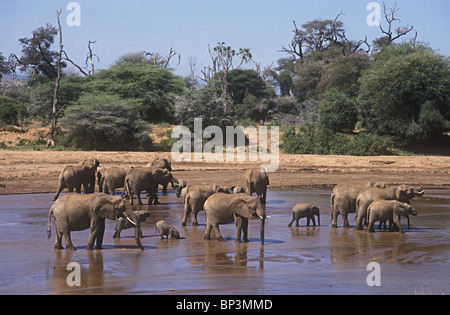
(296, 260)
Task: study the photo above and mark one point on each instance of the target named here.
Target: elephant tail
(126, 187)
(49, 228)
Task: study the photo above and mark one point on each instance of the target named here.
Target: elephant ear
(240, 207)
(402, 193)
(400, 208)
(106, 206)
(266, 177)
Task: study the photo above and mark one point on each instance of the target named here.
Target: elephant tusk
(261, 217)
(131, 221)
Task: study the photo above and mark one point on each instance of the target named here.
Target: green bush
(105, 122)
(311, 139)
(8, 111)
(337, 112)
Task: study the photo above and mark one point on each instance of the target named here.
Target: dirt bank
(38, 171)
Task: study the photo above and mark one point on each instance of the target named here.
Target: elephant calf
(123, 223)
(165, 229)
(305, 210)
(392, 210)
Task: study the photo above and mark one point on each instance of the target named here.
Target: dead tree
(390, 15)
(51, 138)
(90, 56)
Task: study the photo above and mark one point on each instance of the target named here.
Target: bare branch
(65, 57)
(390, 15)
(90, 56)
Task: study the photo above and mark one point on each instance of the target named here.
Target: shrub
(105, 122)
(337, 112)
(311, 139)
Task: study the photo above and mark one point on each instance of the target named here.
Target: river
(295, 260)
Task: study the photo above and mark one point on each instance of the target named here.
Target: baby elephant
(392, 210)
(168, 230)
(123, 224)
(302, 210)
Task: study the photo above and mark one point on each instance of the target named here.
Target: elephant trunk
(262, 227)
(318, 219)
(137, 227)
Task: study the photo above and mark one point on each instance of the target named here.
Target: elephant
(392, 210)
(93, 164)
(162, 163)
(256, 181)
(100, 178)
(76, 212)
(183, 193)
(221, 208)
(343, 200)
(237, 189)
(112, 178)
(402, 193)
(139, 179)
(165, 229)
(302, 210)
(123, 224)
(195, 199)
(181, 184)
(73, 176)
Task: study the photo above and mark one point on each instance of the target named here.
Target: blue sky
(190, 25)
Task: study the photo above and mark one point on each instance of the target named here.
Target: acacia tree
(405, 93)
(222, 59)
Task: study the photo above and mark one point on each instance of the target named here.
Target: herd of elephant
(371, 202)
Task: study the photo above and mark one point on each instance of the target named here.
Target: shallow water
(296, 260)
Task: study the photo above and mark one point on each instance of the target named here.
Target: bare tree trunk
(51, 138)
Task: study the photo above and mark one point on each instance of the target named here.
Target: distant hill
(8, 80)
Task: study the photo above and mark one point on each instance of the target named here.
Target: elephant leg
(207, 235)
(245, 230)
(138, 195)
(69, 244)
(100, 233)
(370, 228)
(293, 219)
(95, 228)
(164, 190)
(186, 213)
(358, 224)
(334, 218)
(313, 220)
(345, 218)
(59, 235)
(263, 197)
(308, 219)
(397, 223)
(217, 231)
(194, 217)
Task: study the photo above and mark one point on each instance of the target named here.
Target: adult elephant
(73, 177)
(195, 199)
(76, 212)
(112, 178)
(388, 210)
(402, 193)
(221, 208)
(181, 185)
(256, 181)
(140, 179)
(162, 163)
(343, 200)
(93, 164)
